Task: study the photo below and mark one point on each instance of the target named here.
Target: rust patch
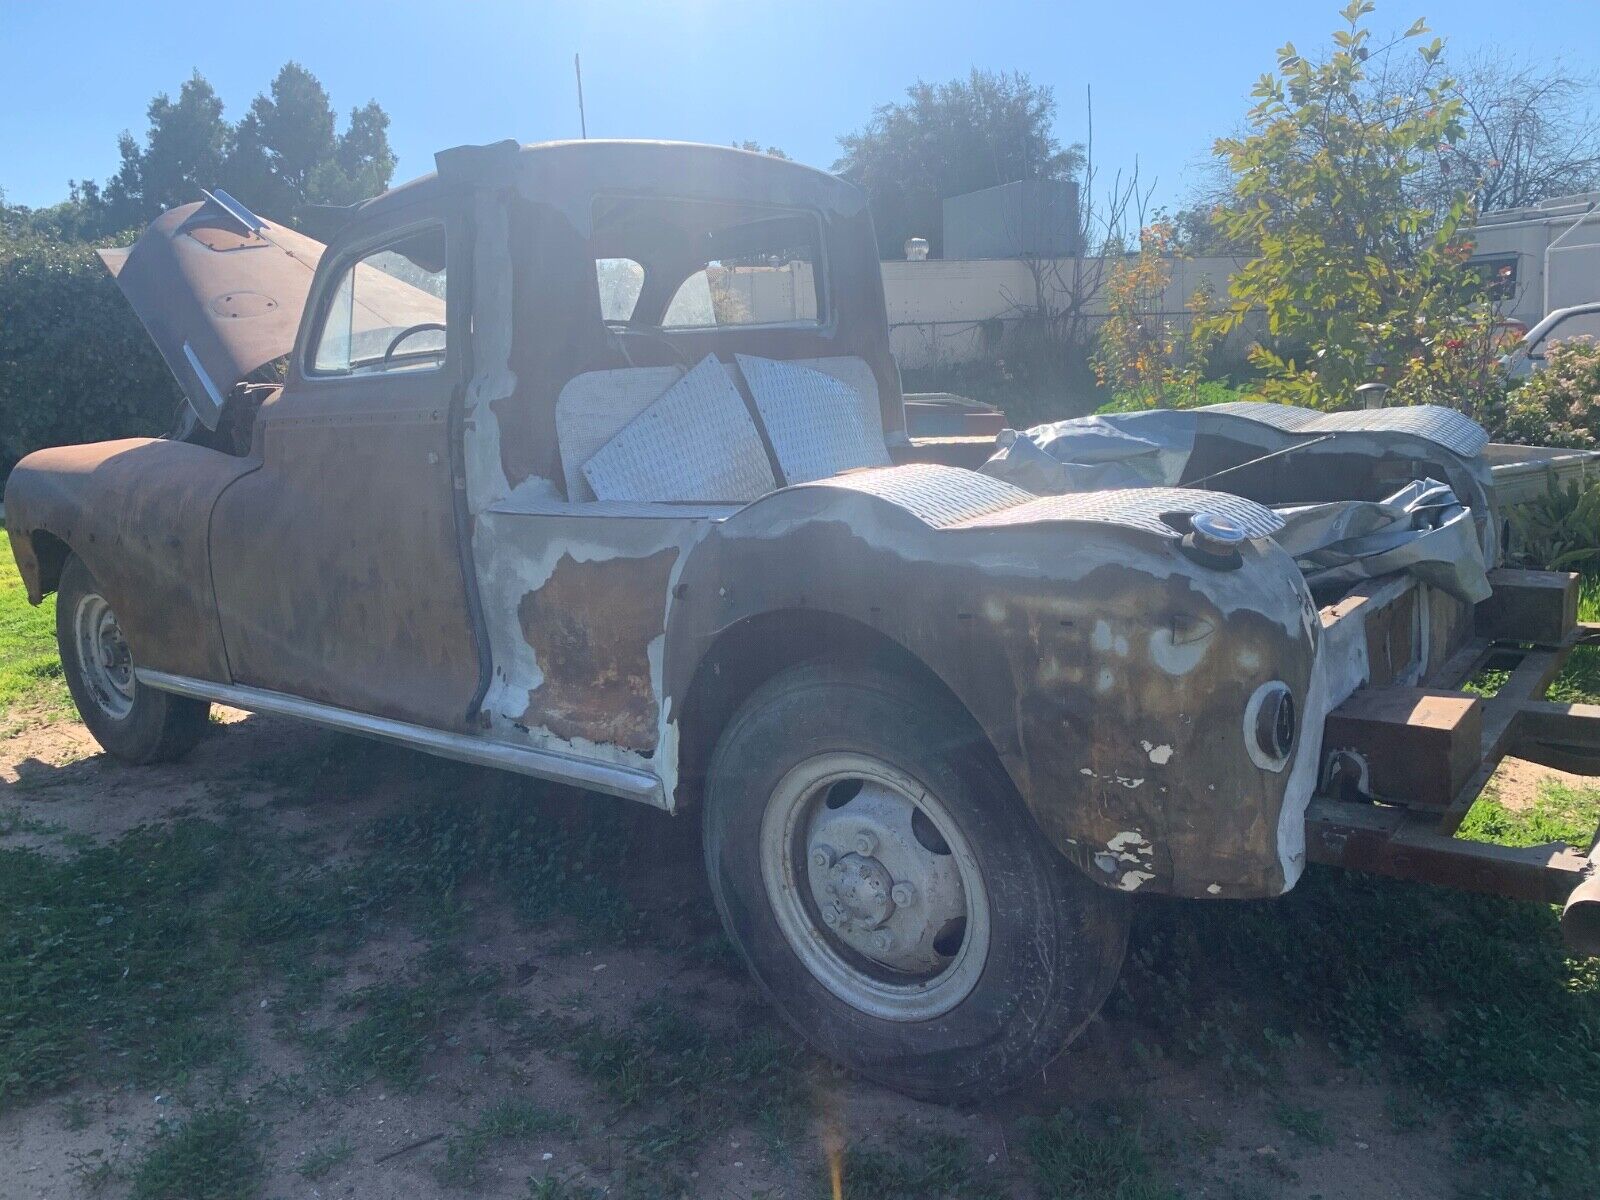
(590, 627)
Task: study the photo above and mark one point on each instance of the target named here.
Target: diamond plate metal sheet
(951, 498)
(818, 425)
(1135, 508)
(593, 408)
(938, 496)
(695, 442)
(1430, 422)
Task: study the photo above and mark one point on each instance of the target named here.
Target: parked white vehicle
(1564, 324)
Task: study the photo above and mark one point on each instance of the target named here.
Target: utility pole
(583, 123)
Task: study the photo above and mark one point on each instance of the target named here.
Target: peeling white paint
(1131, 880)
(1214, 889)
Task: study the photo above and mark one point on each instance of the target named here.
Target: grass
(116, 960)
(30, 672)
(512, 1121)
(1469, 1003)
(325, 1158)
(216, 1154)
(1558, 813)
(1093, 1157)
(1579, 682)
(922, 1165)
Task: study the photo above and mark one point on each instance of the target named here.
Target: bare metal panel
(1441, 426)
(595, 406)
(952, 498)
(695, 442)
(818, 425)
(1137, 508)
(938, 496)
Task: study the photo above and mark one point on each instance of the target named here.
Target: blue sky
(1167, 76)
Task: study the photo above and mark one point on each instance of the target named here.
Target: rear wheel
(887, 887)
(133, 722)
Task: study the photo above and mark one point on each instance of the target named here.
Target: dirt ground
(1205, 1134)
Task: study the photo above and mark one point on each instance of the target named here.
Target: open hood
(220, 291)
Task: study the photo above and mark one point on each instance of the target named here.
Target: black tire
(155, 726)
(1055, 941)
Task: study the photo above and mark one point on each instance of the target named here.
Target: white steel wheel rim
(875, 887)
(103, 656)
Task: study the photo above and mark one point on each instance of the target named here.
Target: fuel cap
(1216, 533)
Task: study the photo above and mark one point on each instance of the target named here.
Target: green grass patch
(116, 960)
(1579, 681)
(1470, 1003)
(508, 1122)
(30, 671)
(216, 1154)
(1558, 813)
(1098, 1157)
(325, 1158)
(923, 1165)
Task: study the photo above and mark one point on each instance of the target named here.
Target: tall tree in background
(286, 154)
(283, 155)
(187, 141)
(1357, 274)
(1530, 131)
(947, 139)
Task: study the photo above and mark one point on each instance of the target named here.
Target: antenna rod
(583, 123)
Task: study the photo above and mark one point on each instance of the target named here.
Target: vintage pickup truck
(589, 461)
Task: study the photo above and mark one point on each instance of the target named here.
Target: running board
(625, 782)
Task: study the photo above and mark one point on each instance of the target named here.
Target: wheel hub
(893, 894)
(862, 891)
(104, 656)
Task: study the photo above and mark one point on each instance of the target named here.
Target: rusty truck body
(589, 461)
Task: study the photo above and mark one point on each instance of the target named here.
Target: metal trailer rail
(1529, 629)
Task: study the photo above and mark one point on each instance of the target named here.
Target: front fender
(1111, 673)
(137, 512)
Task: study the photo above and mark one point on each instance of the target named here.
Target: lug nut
(866, 844)
(822, 857)
(903, 894)
(833, 915)
(883, 942)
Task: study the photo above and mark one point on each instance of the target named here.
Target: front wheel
(891, 893)
(132, 722)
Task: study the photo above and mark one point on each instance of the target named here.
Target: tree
(948, 139)
(286, 154)
(1351, 267)
(282, 156)
(1530, 132)
(756, 147)
(187, 142)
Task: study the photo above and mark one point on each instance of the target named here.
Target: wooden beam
(1420, 746)
(1530, 606)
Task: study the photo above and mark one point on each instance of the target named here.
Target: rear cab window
(663, 263)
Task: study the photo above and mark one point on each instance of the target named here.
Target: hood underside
(220, 291)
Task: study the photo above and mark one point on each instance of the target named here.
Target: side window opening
(668, 263)
(620, 281)
(387, 312)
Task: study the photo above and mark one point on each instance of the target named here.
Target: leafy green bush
(75, 365)
(1560, 531)
(1560, 405)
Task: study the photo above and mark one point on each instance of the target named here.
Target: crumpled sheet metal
(1427, 529)
(1422, 529)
